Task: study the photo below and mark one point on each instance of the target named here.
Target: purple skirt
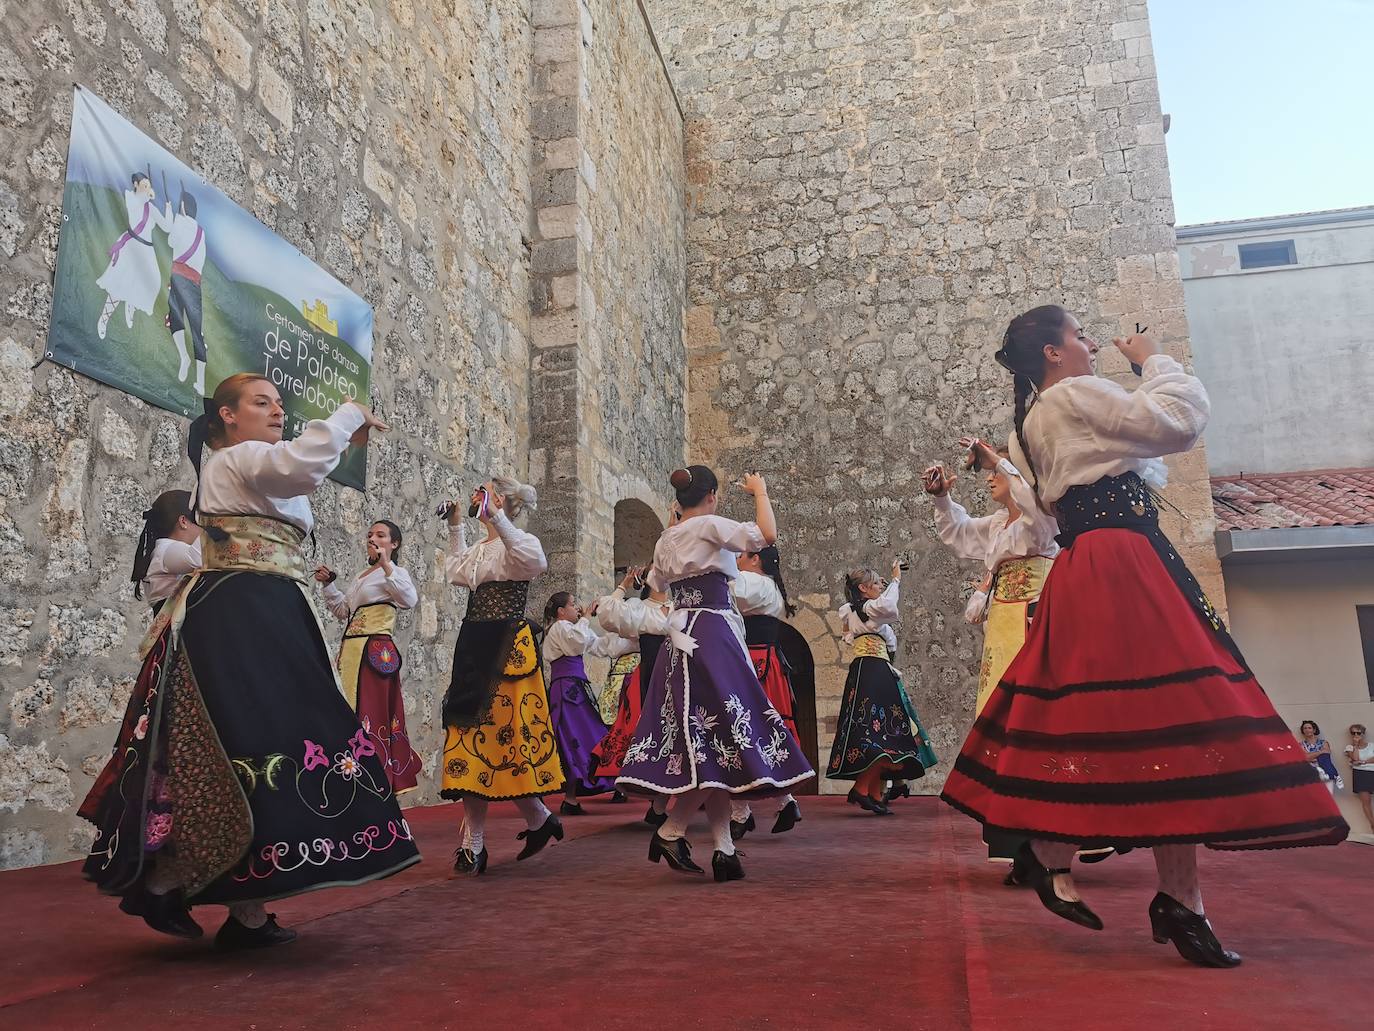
(577, 725)
(706, 722)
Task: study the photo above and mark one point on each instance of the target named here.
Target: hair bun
(681, 479)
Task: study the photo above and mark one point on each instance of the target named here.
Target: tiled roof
(1324, 497)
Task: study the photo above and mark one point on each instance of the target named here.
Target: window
(1267, 255)
(1365, 614)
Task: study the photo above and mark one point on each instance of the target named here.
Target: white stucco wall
(1287, 353)
(1296, 624)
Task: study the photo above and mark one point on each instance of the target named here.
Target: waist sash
(870, 646)
(254, 544)
(378, 617)
(1020, 579)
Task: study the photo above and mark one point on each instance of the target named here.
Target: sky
(105, 150)
(1271, 105)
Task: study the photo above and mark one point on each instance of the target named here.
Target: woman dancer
(500, 743)
(878, 735)
(1142, 724)
(168, 548)
(240, 774)
(568, 636)
(643, 620)
(707, 730)
(761, 597)
(1016, 546)
(369, 662)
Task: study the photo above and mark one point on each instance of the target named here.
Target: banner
(165, 287)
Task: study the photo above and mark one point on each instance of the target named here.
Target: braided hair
(1023, 355)
(853, 580)
(209, 429)
(158, 522)
(772, 568)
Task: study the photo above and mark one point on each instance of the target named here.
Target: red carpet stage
(850, 921)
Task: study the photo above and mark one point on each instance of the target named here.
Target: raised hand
(937, 481)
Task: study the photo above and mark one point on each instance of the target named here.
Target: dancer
(132, 277)
(240, 774)
(761, 597)
(369, 662)
(707, 730)
(643, 620)
(877, 734)
(185, 309)
(568, 636)
(168, 548)
(1130, 715)
(1016, 546)
(500, 744)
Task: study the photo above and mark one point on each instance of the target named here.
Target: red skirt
(1127, 720)
(381, 711)
(772, 674)
(609, 755)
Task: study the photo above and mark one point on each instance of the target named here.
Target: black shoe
(165, 913)
(1042, 880)
(1095, 857)
(739, 828)
(468, 863)
(788, 817)
(1191, 934)
(619, 797)
(1018, 876)
(726, 868)
(654, 819)
(879, 808)
(897, 791)
(678, 853)
(234, 935)
(862, 801)
(536, 839)
(566, 808)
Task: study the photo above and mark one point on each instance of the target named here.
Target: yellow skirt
(1016, 589)
(512, 753)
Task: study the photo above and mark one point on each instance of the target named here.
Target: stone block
(232, 52)
(276, 95)
(558, 45)
(554, 118)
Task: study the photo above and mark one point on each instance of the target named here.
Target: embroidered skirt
(608, 702)
(609, 755)
(509, 749)
(706, 722)
(1011, 604)
(370, 672)
(1130, 717)
(239, 765)
(577, 725)
(877, 724)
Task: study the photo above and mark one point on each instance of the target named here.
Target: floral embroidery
(686, 597)
(141, 728)
(776, 752)
(159, 829)
(361, 745)
(456, 768)
(314, 756)
(347, 766)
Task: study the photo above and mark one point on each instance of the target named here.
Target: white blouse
(702, 544)
(1084, 428)
(757, 595)
(630, 617)
(515, 555)
(171, 561)
(370, 587)
(565, 637)
(257, 478)
(991, 539)
(879, 612)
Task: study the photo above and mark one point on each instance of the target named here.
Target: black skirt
(250, 772)
(874, 725)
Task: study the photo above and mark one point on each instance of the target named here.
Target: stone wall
(610, 366)
(875, 188)
(404, 146)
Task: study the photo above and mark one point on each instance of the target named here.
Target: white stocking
(739, 809)
(718, 812)
(474, 823)
(534, 811)
(680, 814)
(250, 914)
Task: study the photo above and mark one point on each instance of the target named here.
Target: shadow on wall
(637, 527)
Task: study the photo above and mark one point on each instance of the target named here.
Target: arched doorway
(636, 529)
(798, 655)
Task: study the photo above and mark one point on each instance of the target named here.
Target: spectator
(1360, 754)
(1318, 751)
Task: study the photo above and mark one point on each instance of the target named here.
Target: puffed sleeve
(294, 467)
(1165, 415)
(400, 588)
(524, 554)
(883, 608)
(336, 602)
(1034, 532)
(967, 537)
(459, 569)
(733, 536)
(610, 612)
(754, 593)
(179, 558)
(609, 646)
(977, 608)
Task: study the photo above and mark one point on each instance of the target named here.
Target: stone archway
(636, 530)
(802, 666)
